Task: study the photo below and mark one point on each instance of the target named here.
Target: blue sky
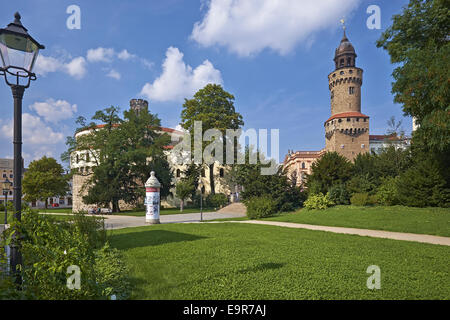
(273, 56)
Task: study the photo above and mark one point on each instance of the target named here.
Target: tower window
(365, 119)
(357, 119)
(303, 165)
(341, 73)
(349, 61)
(348, 119)
(351, 90)
(341, 63)
(350, 71)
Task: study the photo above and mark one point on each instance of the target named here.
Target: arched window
(303, 165)
(349, 61)
(341, 63)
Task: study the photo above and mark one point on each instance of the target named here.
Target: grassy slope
(434, 221)
(235, 261)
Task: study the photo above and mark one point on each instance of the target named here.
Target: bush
(339, 194)
(49, 247)
(360, 199)
(318, 201)
(216, 200)
(387, 191)
(260, 207)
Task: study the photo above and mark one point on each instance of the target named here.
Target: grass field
(434, 221)
(238, 261)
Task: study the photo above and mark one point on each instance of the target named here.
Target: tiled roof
(347, 115)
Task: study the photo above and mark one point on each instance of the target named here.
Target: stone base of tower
(347, 134)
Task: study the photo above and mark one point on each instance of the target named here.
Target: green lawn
(434, 221)
(239, 261)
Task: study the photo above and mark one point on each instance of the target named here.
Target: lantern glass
(18, 51)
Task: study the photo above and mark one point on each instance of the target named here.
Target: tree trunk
(211, 178)
(181, 205)
(46, 199)
(115, 204)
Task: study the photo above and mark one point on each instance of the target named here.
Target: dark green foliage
(424, 185)
(330, 169)
(339, 194)
(216, 200)
(362, 183)
(284, 191)
(261, 207)
(387, 192)
(49, 247)
(418, 43)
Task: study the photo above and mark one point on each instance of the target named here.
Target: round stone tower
(347, 130)
(138, 104)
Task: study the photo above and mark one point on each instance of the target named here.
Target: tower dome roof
(345, 47)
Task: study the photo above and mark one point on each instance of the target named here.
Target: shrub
(318, 201)
(49, 247)
(260, 207)
(339, 194)
(359, 199)
(387, 191)
(216, 200)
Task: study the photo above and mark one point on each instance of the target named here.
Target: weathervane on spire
(343, 24)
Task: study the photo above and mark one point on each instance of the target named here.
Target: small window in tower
(340, 120)
(348, 119)
(341, 64)
(350, 71)
(303, 165)
(365, 119)
(357, 119)
(351, 90)
(341, 73)
(363, 146)
(334, 75)
(342, 146)
(349, 61)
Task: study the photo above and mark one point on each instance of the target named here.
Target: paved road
(119, 222)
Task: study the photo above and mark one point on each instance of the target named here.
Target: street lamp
(201, 200)
(6, 186)
(18, 54)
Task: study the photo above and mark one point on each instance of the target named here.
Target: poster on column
(152, 202)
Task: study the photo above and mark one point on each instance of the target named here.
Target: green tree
(328, 170)
(183, 190)
(123, 152)
(278, 186)
(214, 107)
(418, 43)
(44, 178)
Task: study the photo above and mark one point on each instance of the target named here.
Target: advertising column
(152, 202)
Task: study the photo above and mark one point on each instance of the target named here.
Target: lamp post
(201, 201)
(18, 54)
(6, 186)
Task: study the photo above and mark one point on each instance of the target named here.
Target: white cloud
(125, 55)
(100, 55)
(114, 74)
(248, 26)
(75, 68)
(54, 111)
(35, 131)
(179, 80)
